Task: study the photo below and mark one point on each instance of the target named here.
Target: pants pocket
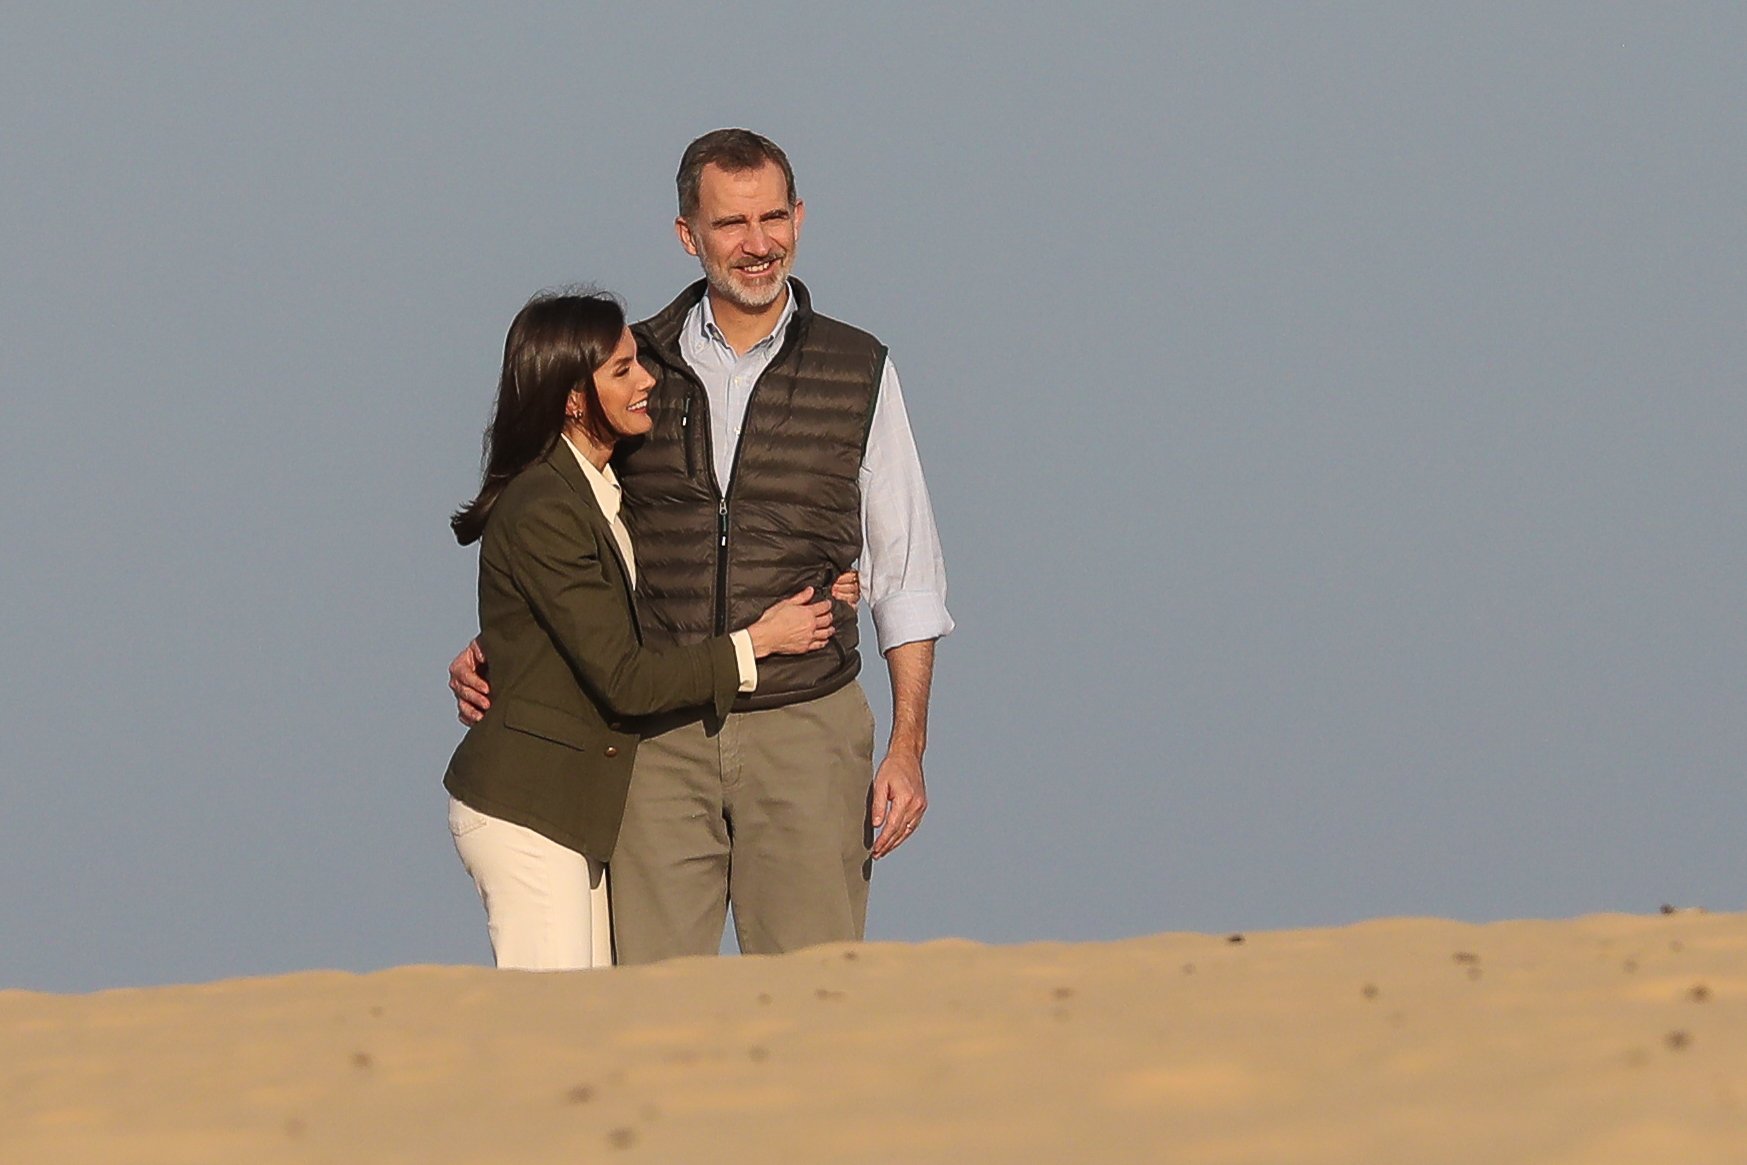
(464, 819)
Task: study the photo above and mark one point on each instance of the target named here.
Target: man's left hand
(899, 801)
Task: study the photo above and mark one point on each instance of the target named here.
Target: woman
(537, 788)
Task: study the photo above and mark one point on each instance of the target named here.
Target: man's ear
(800, 215)
(683, 230)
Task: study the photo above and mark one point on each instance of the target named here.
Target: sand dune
(1605, 1039)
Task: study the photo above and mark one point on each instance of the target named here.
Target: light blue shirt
(903, 575)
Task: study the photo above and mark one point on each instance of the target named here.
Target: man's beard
(723, 282)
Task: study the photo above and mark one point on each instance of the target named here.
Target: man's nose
(757, 240)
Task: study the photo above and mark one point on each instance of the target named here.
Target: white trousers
(545, 904)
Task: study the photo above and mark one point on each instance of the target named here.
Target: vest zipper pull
(685, 437)
(722, 520)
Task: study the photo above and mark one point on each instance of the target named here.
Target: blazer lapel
(564, 462)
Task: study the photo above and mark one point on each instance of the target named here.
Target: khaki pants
(770, 813)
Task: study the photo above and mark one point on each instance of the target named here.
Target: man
(780, 454)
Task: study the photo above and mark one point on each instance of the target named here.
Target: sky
(1333, 414)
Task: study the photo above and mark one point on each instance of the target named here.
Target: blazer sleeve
(554, 559)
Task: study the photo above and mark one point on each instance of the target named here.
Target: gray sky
(1333, 413)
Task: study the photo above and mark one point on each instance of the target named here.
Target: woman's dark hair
(554, 347)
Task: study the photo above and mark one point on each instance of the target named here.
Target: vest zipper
(797, 329)
(790, 342)
(722, 566)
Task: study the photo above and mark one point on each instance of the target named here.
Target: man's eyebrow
(728, 220)
(768, 215)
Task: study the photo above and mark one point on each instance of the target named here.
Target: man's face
(744, 233)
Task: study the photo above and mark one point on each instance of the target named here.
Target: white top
(902, 570)
(605, 484)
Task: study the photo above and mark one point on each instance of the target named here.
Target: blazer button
(612, 750)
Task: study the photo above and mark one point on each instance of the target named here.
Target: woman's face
(623, 387)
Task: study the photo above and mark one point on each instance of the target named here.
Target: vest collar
(660, 332)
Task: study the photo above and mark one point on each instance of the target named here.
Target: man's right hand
(467, 681)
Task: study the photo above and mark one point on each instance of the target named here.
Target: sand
(1604, 1039)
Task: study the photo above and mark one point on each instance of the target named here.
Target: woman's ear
(576, 407)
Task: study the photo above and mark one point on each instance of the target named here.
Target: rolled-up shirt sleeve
(903, 570)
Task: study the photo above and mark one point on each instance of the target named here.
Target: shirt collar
(604, 482)
(706, 317)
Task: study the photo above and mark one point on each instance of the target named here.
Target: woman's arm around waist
(555, 559)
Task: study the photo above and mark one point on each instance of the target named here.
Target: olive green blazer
(569, 674)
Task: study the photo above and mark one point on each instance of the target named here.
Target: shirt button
(612, 750)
